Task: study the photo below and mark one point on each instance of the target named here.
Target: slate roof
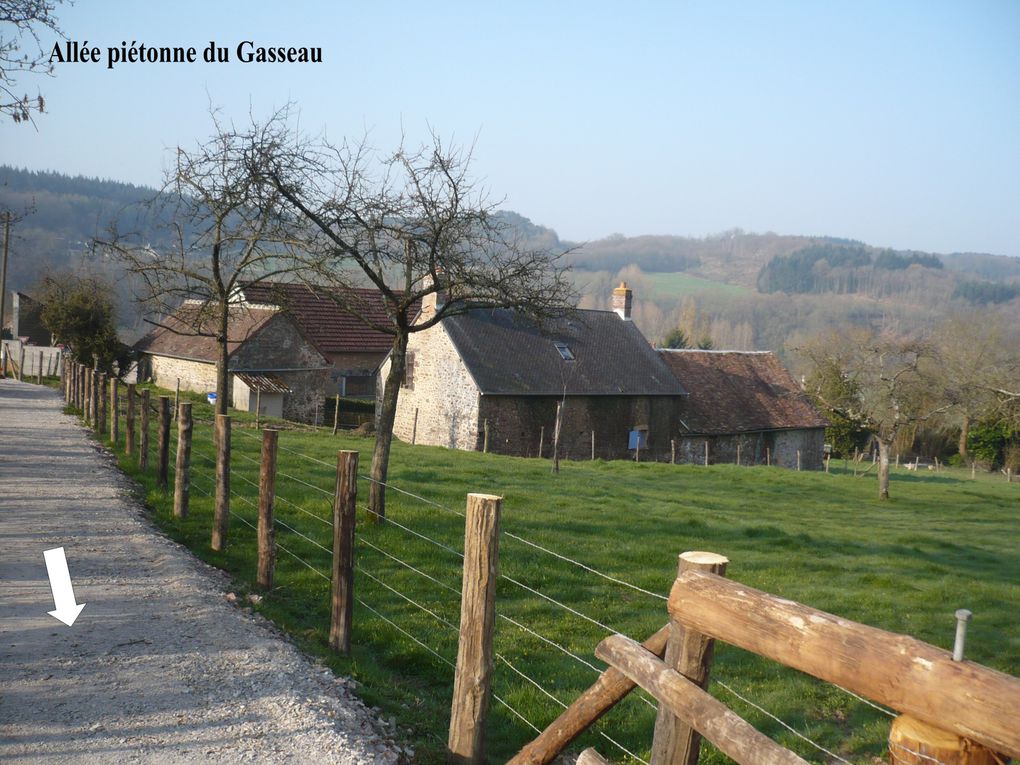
(329, 326)
(510, 355)
(739, 392)
(176, 335)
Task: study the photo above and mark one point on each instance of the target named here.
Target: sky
(894, 123)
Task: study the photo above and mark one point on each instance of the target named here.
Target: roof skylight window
(565, 352)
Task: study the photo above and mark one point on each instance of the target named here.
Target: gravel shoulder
(160, 667)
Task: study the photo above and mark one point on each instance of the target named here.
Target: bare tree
(228, 229)
(892, 383)
(415, 225)
(22, 21)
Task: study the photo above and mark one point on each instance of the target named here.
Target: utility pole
(3, 271)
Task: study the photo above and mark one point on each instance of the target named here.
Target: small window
(565, 352)
(408, 381)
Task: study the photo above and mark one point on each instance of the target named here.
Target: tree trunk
(883, 467)
(221, 362)
(964, 432)
(384, 431)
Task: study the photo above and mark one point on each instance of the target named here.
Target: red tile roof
(739, 392)
(329, 318)
(177, 334)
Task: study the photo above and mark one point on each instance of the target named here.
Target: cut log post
(912, 742)
(143, 432)
(608, 691)
(114, 410)
(690, 653)
(267, 497)
(732, 735)
(221, 511)
(163, 445)
(182, 472)
(345, 503)
(960, 696)
(590, 757)
(94, 398)
(129, 421)
(101, 402)
(472, 684)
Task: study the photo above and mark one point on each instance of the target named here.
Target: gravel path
(160, 667)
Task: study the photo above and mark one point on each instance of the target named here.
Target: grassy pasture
(943, 542)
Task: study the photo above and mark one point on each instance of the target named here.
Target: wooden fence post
(706, 453)
(182, 473)
(177, 396)
(101, 400)
(472, 683)
(541, 441)
(163, 447)
(129, 421)
(336, 414)
(267, 495)
(593, 446)
(738, 453)
(345, 504)
(689, 653)
(95, 398)
(221, 513)
(414, 428)
(114, 410)
(143, 433)
(485, 441)
(38, 370)
(672, 451)
(798, 459)
(21, 363)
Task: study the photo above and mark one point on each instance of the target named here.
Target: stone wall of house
(518, 423)
(197, 376)
(442, 392)
(778, 448)
(306, 400)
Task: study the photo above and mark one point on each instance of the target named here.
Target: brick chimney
(623, 296)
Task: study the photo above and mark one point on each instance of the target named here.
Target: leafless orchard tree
(893, 383)
(415, 225)
(228, 228)
(21, 22)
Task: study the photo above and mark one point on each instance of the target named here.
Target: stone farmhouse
(267, 354)
(747, 401)
(493, 377)
(330, 320)
(495, 370)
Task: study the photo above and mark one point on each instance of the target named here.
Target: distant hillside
(741, 290)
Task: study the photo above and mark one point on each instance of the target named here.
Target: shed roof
(330, 317)
(740, 392)
(510, 354)
(262, 382)
(188, 334)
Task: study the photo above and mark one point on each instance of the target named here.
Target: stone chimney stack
(623, 297)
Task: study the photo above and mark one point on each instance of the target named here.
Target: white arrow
(60, 582)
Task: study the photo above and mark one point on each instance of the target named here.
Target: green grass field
(943, 542)
(680, 284)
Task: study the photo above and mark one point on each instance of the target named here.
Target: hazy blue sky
(897, 123)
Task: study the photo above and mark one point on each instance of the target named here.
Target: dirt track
(160, 667)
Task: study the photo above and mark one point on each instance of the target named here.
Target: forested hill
(737, 289)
